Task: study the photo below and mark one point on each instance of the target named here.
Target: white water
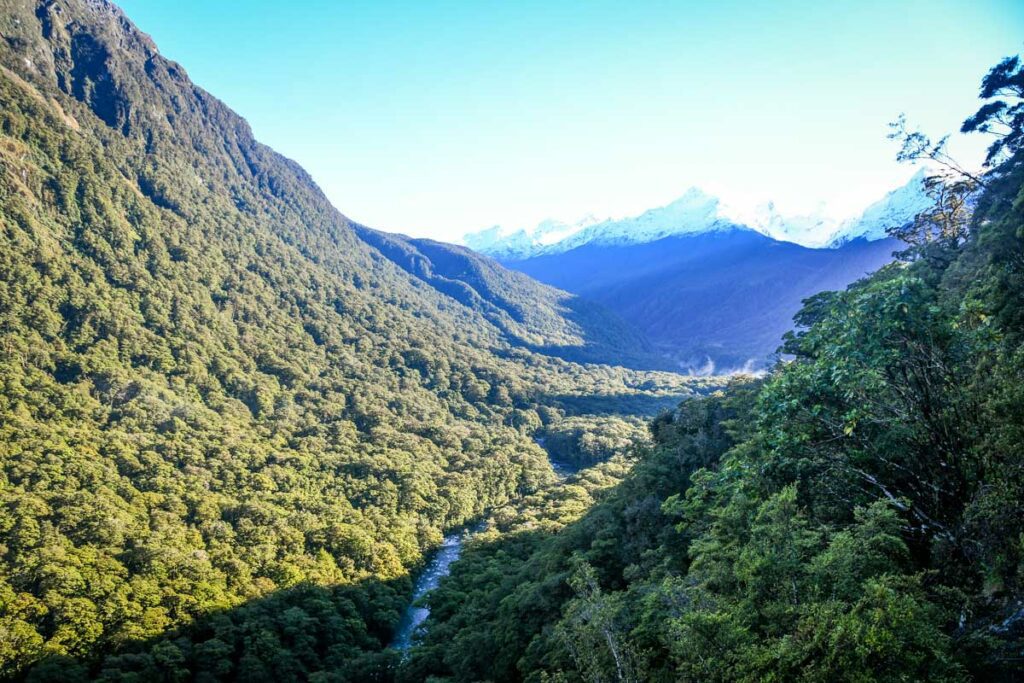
(439, 566)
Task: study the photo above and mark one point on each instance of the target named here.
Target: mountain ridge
(713, 288)
(535, 316)
(696, 212)
(712, 302)
(215, 392)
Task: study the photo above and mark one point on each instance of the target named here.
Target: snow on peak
(694, 212)
(697, 212)
(500, 242)
(809, 229)
(514, 243)
(551, 231)
(895, 209)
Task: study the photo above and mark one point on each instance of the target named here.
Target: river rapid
(439, 566)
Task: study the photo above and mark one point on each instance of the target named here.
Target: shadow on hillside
(613, 404)
(601, 355)
(608, 339)
(473, 653)
(290, 635)
(519, 306)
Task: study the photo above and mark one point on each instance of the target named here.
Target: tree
(592, 632)
(1002, 117)
(947, 220)
(916, 146)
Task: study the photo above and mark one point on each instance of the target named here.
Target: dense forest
(233, 424)
(230, 425)
(855, 515)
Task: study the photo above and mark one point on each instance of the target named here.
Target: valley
(437, 567)
(220, 391)
(711, 289)
(244, 437)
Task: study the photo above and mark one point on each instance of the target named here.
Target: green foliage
(855, 516)
(507, 593)
(591, 630)
(1003, 114)
(215, 397)
(232, 423)
(584, 441)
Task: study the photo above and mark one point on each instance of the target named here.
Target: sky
(439, 118)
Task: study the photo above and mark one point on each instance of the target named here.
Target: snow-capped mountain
(694, 212)
(708, 283)
(501, 242)
(809, 230)
(697, 212)
(895, 209)
(504, 243)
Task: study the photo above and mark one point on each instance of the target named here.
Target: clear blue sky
(435, 118)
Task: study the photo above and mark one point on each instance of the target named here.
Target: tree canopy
(855, 515)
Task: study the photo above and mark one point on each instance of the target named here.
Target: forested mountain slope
(856, 515)
(213, 392)
(531, 314)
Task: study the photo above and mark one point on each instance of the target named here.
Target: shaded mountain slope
(716, 300)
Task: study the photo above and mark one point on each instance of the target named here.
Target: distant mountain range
(697, 212)
(711, 288)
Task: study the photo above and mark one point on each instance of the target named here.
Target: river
(439, 566)
(562, 469)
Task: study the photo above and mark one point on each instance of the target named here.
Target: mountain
(842, 498)
(229, 416)
(897, 208)
(712, 293)
(857, 514)
(530, 314)
(698, 212)
(712, 302)
(501, 242)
